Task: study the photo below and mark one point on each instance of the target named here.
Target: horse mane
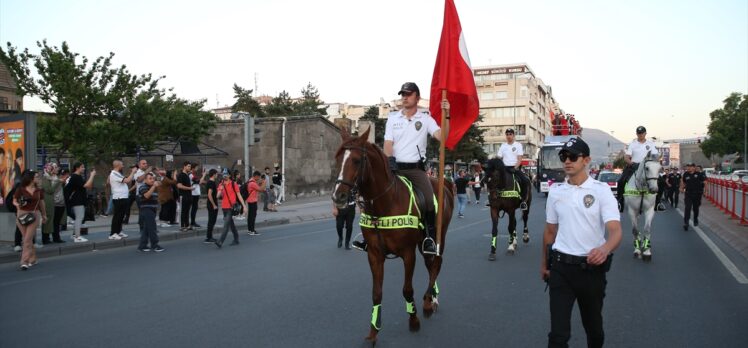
(496, 170)
(362, 142)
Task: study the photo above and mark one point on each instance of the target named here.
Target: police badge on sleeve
(418, 125)
(588, 200)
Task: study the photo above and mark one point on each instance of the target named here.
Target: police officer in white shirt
(577, 214)
(636, 151)
(405, 140)
(511, 153)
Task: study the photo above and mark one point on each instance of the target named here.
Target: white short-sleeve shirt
(120, 189)
(638, 150)
(581, 213)
(509, 152)
(409, 136)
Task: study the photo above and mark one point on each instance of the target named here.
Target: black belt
(402, 165)
(568, 259)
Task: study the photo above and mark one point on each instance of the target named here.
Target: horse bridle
(644, 169)
(359, 174)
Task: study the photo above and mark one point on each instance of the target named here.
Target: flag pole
(440, 195)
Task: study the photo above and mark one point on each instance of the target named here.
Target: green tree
(727, 127)
(469, 148)
(372, 114)
(245, 102)
(100, 111)
(309, 104)
(282, 105)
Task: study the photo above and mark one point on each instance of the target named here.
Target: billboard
(15, 143)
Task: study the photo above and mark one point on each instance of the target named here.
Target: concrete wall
(311, 142)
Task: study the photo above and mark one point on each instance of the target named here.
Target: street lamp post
(515, 98)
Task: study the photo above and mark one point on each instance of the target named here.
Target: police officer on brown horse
(405, 139)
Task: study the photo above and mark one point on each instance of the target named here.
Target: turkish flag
(453, 72)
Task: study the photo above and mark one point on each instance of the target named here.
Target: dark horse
(364, 171)
(503, 195)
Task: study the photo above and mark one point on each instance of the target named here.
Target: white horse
(639, 195)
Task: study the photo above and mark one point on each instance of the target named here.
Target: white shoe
(17, 248)
(122, 235)
(165, 225)
(115, 237)
(38, 246)
(79, 240)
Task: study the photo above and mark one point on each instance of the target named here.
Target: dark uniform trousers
(569, 283)
(345, 219)
(693, 201)
(422, 183)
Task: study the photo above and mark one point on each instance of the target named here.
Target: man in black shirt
(184, 185)
(212, 205)
(461, 184)
(277, 181)
(693, 186)
(75, 194)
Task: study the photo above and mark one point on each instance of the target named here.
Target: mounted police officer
(511, 153)
(576, 255)
(636, 152)
(405, 140)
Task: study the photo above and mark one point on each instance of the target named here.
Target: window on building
(4, 103)
(524, 91)
(501, 95)
(521, 130)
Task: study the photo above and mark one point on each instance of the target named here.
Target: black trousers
(693, 202)
(477, 193)
(184, 218)
(212, 217)
(251, 216)
(570, 283)
(58, 213)
(131, 200)
(169, 211)
(524, 182)
(193, 213)
(676, 197)
(120, 206)
(627, 172)
(345, 219)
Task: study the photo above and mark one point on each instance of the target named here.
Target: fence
(730, 194)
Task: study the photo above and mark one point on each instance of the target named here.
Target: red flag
(453, 72)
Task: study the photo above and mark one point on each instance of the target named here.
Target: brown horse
(503, 195)
(364, 171)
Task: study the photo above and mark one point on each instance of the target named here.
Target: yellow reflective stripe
(629, 192)
(390, 222)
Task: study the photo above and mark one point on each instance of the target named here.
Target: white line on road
(739, 276)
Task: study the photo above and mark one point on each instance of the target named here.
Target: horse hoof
(526, 239)
(414, 324)
(510, 252)
(492, 257)
(646, 258)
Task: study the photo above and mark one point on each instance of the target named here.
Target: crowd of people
(57, 197)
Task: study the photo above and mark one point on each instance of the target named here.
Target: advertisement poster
(12, 156)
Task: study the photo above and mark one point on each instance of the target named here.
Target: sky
(614, 64)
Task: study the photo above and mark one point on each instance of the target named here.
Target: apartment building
(512, 96)
(10, 101)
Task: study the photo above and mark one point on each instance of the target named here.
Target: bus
(550, 167)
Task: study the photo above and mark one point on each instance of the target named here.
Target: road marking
(739, 276)
(25, 280)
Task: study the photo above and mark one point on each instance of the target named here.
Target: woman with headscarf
(54, 203)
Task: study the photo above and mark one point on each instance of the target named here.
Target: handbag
(29, 218)
(236, 207)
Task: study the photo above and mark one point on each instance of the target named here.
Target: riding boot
(360, 245)
(429, 246)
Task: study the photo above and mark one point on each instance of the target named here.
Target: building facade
(10, 101)
(512, 96)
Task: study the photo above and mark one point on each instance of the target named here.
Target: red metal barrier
(743, 216)
(735, 186)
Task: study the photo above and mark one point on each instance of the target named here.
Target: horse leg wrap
(376, 317)
(646, 243)
(435, 290)
(493, 242)
(410, 307)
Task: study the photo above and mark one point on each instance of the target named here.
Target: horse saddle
(417, 197)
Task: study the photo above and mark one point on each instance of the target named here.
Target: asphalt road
(291, 287)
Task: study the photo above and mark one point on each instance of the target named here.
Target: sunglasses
(563, 156)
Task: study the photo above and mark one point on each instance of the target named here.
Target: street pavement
(291, 287)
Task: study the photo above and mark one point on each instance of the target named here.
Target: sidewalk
(728, 229)
(301, 210)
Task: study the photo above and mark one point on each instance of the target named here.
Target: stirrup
(423, 246)
(523, 205)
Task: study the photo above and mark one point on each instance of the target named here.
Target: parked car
(740, 173)
(611, 178)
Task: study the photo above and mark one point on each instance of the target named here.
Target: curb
(77, 248)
